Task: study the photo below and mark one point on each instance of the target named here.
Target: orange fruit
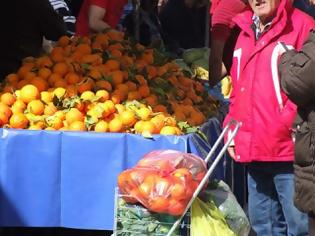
(59, 92)
(29, 93)
(5, 109)
(29, 76)
(50, 109)
(87, 96)
(101, 126)
(160, 108)
(57, 54)
(149, 127)
(152, 100)
(103, 95)
(63, 41)
(46, 97)
(134, 95)
(146, 189)
(131, 86)
(159, 204)
(158, 121)
(110, 106)
(44, 61)
(44, 73)
(183, 174)
(8, 99)
(176, 208)
(116, 98)
(77, 126)
(128, 118)
(12, 78)
(72, 78)
(18, 121)
(61, 115)
(103, 84)
(170, 130)
(139, 127)
(74, 115)
(40, 83)
(53, 78)
(3, 119)
(87, 85)
(170, 121)
(178, 191)
(112, 65)
(117, 77)
(54, 122)
(60, 83)
(144, 91)
(71, 90)
(84, 48)
(144, 113)
(120, 108)
(36, 107)
(60, 68)
(34, 127)
(18, 106)
(115, 125)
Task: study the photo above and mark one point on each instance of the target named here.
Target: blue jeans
(270, 203)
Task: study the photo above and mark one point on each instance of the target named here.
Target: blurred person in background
(264, 141)
(161, 4)
(61, 7)
(23, 25)
(305, 5)
(223, 36)
(184, 22)
(98, 15)
(150, 32)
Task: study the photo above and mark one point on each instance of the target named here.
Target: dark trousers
(311, 225)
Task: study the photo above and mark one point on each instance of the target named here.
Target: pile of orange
(104, 83)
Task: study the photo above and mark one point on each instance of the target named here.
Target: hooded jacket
(265, 112)
(297, 70)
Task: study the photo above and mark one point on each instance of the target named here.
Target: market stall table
(67, 179)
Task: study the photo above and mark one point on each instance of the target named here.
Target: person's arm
(96, 16)
(217, 68)
(51, 24)
(222, 25)
(297, 71)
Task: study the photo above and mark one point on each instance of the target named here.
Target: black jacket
(297, 73)
(23, 24)
(183, 25)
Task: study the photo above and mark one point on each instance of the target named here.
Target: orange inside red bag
(163, 181)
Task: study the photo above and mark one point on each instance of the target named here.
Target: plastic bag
(207, 220)
(163, 181)
(225, 200)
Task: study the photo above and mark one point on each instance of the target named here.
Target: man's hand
(312, 2)
(231, 150)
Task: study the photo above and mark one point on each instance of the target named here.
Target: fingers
(231, 151)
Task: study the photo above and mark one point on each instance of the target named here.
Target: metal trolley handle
(233, 126)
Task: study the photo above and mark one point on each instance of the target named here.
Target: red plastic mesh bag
(163, 181)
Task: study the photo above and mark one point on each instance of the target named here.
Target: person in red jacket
(264, 140)
(98, 15)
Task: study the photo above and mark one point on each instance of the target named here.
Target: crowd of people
(266, 46)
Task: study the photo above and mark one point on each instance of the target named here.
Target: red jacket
(114, 10)
(257, 101)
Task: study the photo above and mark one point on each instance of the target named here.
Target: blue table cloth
(68, 179)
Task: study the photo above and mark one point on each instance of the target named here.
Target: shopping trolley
(169, 225)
